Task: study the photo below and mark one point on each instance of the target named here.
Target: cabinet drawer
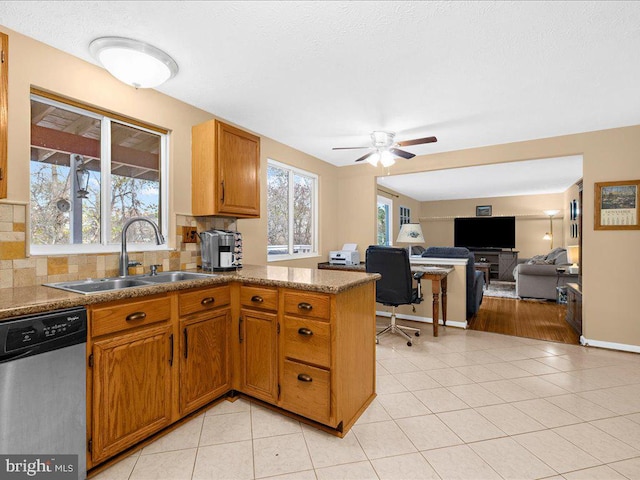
(306, 391)
(259, 297)
(123, 316)
(307, 340)
(307, 304)
(203, 299)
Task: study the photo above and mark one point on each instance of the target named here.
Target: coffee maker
(218, 250)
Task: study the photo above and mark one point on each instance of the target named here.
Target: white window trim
(315, 213)
(105, 192)
(389, 202)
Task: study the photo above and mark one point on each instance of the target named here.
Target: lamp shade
(573, 254)
(410, 233)
(133, 62)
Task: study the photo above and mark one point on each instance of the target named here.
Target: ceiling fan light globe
(373, 159)
(386, 158)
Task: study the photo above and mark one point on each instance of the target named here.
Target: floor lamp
(549, 234)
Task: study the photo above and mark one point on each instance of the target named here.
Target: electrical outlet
(189, 234)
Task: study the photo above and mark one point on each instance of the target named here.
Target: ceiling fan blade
(347, 148)
(417, 141)
(364, 157)
(401, 153)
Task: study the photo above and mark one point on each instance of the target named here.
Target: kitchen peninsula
(298, 340)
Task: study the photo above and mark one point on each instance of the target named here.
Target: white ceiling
(316, 75)
(531, 177)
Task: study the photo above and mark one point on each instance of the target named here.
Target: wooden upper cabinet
(225, 171)
(4, 110)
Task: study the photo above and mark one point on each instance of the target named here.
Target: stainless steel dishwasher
(42, 387)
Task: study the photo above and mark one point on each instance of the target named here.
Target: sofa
(538, 277)
(475, 279)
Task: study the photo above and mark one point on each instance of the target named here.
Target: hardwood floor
(524, 318)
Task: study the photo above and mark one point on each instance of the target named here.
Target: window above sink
(89, 172)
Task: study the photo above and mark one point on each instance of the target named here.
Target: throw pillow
(537, 260)
(554, 255)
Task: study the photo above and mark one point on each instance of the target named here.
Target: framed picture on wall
(616, 205)
(483, 211)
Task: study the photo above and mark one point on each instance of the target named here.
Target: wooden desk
(437, 275)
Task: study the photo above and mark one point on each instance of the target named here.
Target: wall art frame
(616, 205)
(483, 211)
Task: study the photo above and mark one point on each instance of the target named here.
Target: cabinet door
(259, 347)
(508, 261)
(238, 155)
(204, 359)
(131, 389)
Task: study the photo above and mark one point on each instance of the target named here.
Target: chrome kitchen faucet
(124, 257)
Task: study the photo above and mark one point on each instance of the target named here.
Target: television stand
(501, 262)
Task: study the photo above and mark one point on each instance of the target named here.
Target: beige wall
(610, 258)
(35, 64)
(531, 223)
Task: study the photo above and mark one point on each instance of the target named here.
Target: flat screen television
(485, 232)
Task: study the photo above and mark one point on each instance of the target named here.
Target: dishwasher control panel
(46, 332)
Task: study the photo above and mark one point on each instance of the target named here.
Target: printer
(349, 255)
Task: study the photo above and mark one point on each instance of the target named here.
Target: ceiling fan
(385, 148)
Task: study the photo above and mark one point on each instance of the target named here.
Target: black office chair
(396, 285)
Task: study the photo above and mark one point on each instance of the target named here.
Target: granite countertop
(27, 300)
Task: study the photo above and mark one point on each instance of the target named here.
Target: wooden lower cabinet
(153, 360)
(131, 389)
(259, 354)
(204, 359)
(574, 307)
(327, 354)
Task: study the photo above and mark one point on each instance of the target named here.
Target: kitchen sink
(118, 283)
(164, 277)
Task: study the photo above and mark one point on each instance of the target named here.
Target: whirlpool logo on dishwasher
(49, 467)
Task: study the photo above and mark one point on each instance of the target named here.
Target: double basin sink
(118, 283)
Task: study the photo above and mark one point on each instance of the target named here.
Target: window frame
(389, 203)
(106, 118)
(315, 209)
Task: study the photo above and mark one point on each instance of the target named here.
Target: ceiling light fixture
(386, 158)
(382, 155)
(133, 62)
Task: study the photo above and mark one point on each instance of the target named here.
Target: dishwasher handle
(15, 356)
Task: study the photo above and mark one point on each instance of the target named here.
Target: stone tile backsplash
(17, 269)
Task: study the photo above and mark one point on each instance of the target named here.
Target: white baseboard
(609, 345)
(416, 318)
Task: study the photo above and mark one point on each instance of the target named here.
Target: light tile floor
(465, 405)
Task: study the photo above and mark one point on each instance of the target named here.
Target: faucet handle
(154, 269)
